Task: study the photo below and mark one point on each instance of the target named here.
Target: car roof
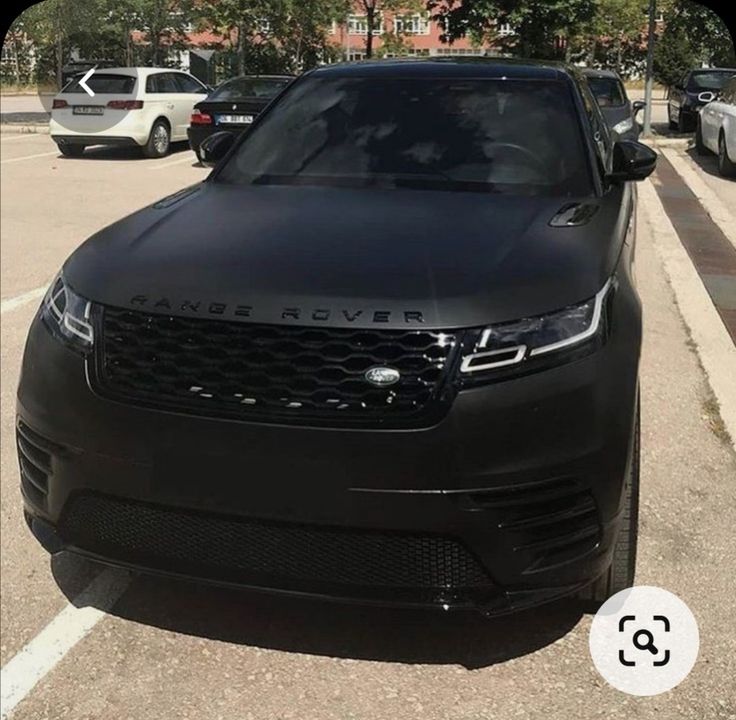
(134, 71)
(449, 66)
(260, 77)
(715, 69)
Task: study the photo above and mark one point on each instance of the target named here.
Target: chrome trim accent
(466, 366)
(592, 329)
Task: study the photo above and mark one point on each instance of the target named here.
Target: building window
(416, 24)
(475, 52)
(358, 25)
(333, 28)
(263, 26)
(505, 29)
(409, 52)
(355, 56)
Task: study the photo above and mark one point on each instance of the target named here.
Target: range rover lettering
(388, 352)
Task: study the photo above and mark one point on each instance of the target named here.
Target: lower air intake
(268, 553)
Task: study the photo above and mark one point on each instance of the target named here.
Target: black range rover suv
(387, 352)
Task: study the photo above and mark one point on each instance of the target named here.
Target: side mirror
(215, 147)
(707, 97)
(632, 161)
(638, 106)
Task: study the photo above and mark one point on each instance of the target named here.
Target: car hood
(348, 257)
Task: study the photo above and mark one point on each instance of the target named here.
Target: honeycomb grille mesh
(273, 372)
(209, 545)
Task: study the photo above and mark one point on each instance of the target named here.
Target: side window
(188, 84)
(598, 127)
(167, 83)
(152, 83)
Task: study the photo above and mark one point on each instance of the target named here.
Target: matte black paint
(289, 255)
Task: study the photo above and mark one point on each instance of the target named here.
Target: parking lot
(139, 647)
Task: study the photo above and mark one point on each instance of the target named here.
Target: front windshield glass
(496, 135)
(709, 80)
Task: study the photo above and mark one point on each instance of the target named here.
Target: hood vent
(574, 215)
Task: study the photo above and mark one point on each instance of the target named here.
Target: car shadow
(112, 152)
(708, 163)
(335, 630)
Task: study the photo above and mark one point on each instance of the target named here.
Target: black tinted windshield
(248, 87)
(709, 80)
(608, 91)
(437, 133)
(104, 84)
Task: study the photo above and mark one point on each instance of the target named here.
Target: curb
(713, 343)
(667, 142)
(7, 129)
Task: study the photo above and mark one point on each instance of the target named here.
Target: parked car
(139, 107)
(387, 352)
(684, 97)
(233, 106)
(716, 131)
(619, 111)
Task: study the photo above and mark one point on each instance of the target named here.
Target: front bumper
(511, 500)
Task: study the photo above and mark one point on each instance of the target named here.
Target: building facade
(413, 34)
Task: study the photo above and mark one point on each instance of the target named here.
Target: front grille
(272, 554)
(272, 372)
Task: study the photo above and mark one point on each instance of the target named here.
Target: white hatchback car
(716, 130)
(145, 107)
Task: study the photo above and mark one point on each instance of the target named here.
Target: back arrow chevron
(83, 82)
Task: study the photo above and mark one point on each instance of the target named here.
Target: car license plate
(88, 110)
(235, 119)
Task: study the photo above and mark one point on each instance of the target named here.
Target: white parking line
(189, 158)
(19, 300)
(35, 660)
(19, 136)
(29, 157)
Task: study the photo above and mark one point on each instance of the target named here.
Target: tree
(299, 29)
(538, 24)
(374, 10)
(673, 56)
(235, 20)
(51, 27)
(163, 24)
(705, 32)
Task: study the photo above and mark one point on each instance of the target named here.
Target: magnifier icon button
(648, 645)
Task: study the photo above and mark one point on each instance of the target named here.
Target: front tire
(621, 572)
(159, 141)
(74, 151)
(682, 124)
(725, 166)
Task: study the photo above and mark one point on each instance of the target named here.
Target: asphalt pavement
(142, 648)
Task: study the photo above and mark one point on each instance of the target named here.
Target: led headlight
(624, 126)
(533, 340)
(67, 315)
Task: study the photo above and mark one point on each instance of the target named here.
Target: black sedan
(684, 98)
(233, 106)
(619, 111)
